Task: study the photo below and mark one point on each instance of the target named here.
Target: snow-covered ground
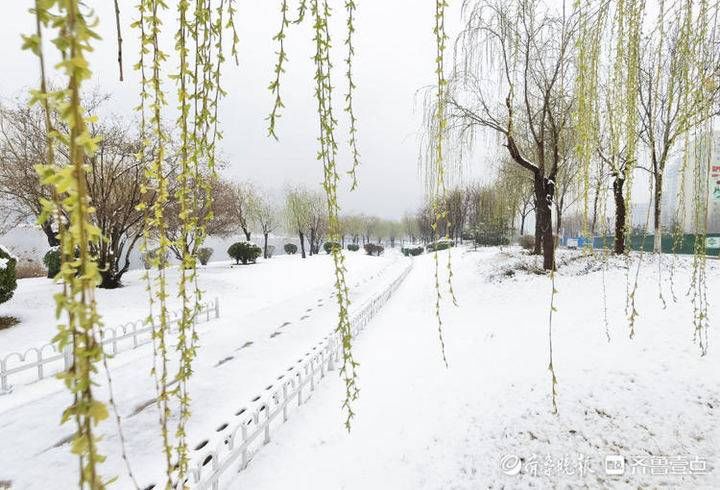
(271, 314)
(485, 421)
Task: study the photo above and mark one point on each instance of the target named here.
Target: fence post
(68, 357)
(3, 378)
(217, 307)
(285, 402)
(244, 457)
(40, 364)
(267, 423)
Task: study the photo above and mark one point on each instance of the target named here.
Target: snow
(419, 425)
(271, 312)
(3, 263)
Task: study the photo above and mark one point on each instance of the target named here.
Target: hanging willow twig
(438, 189)
(274, 86)
(119, 40)
(156, 189)
(79, 271)
(350, 8)
(327, 154)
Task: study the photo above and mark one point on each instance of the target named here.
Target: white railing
(235, 444)
(32, 365)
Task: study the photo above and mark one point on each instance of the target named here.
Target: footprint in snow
(285, 324)
(245, 345)
(275, 334)
(304, 317)
(223, 361)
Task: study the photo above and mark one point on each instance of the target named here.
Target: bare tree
(317, 220)
(267, 217)
(297, 213)
(22, 146)
(674, 93)
(215, 215)
(534, 56)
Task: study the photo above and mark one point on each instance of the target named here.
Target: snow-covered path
(652, 401)
(239, 354)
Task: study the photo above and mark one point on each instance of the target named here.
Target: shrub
(353, 247)
(441, 244)
(29, 268)
(150, 258)
(373, 249)
(52, 262)
(8, 281)
(204, 254)
(290, 248)
(412, 251)
(244, 252)
(270, 251)
(527, 242)
(329, 246)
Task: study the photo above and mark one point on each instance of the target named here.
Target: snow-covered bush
(52, 262)
(8, 281)
(527, 242)
(441, 244)
(244, 252)
(151, 256)
(329, 246)
(270, 251)
(204, 254)
(373, 249)
(353, 247)
(412, 251)
(290, 248)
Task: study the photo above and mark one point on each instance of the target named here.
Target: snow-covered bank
(650, 404)
(272, 313)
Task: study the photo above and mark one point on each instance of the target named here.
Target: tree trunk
(109, 279)
(522, 225)
(265, 255)
(595, 209)
(247, 233)
(539, 216)
(657, 246)
(544, 218)
(52, 238)
(620, 214)
(558, 219)
(312, 241)
(302, 244)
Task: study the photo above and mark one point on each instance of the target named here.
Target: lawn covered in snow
(272, 312)
(484, 421)
(652, 400)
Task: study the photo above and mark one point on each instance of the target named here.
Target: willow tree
(513, 77)
(679, 88)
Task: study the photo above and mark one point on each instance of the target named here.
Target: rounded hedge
(329, 246)
(244, 252)
(374, 249)
(204, 254)
(353, 247)
(8, 279)
(412, 251)
(52, 262)
(438, 245)
(290, 248)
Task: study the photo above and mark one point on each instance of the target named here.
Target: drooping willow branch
(79, 272)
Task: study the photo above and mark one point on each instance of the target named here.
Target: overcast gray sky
(395, 57)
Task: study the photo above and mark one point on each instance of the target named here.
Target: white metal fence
(37, 363)
(234, 444)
